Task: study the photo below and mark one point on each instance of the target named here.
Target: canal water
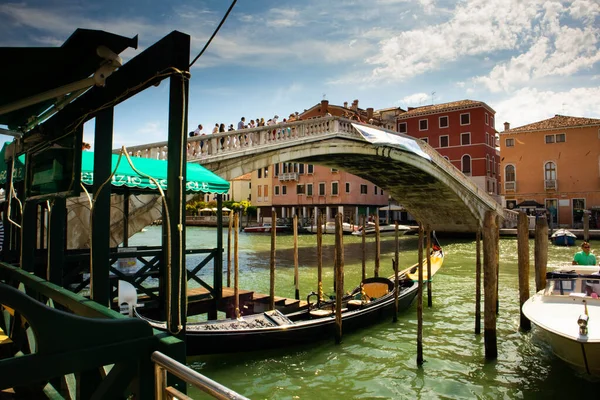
(379, 362)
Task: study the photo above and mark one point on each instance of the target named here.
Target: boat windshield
(571, 283)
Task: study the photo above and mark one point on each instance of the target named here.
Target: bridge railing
(219, 144)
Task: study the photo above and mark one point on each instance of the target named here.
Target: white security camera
(109, 55)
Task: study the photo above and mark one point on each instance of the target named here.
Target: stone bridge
(434, 191)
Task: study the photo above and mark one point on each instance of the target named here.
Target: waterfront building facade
(554, 164)
(464, 133)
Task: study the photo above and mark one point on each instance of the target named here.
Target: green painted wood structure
(60, 341)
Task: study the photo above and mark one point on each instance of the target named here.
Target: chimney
(345, 104)
(355, 105)
(369, 113)
(507, 126)
(324, 104)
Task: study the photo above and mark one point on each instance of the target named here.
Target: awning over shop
(199, 179)
(529, 204)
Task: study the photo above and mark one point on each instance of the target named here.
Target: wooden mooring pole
(364, 248)
(478, 283)
(272, 265)
(296, 280)
(523, 250)
(490, 244)
(429, 296)
(396, 267)
(320, 256)
(377, 247)
(231, 217)
(586, 225)
(339, 276)
(236, 268)
(541, 252)
(420, 301)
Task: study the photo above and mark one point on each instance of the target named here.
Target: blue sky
(528, 60)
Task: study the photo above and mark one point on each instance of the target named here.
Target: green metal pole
(28, 236)
(176, 179)
(99, 266)
(218, 273)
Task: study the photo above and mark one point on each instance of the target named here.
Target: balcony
(288, 176)
(510, 186)
(550, 184)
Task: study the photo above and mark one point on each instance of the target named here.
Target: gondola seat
(319, 313)
(375, 290)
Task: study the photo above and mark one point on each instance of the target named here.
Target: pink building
(306, 189)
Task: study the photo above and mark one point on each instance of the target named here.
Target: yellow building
(553, 164)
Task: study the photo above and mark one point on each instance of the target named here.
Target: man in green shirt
(584, 257)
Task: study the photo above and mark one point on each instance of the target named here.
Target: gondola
(367, 303)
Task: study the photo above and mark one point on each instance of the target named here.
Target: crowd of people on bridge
(200, 147)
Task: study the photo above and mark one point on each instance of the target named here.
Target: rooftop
(436, 108)
(556, 122)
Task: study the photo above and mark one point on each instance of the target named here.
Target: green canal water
(379, 362)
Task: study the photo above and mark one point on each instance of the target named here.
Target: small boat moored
(384, 230)
(372, 300)
(266, 227)
(563, 237)
(567, 316)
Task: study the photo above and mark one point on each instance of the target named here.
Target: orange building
(555, 163)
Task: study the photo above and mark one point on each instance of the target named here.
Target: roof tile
(556, 122)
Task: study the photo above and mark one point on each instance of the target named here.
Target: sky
(527, 59)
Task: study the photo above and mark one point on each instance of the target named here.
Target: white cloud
(529, 105)
(416, 99)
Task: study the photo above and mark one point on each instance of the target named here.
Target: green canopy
(199, 179)
(19, 168)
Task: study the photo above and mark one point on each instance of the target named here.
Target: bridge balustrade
(200, 147)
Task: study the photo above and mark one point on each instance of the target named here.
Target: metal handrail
(164, 364)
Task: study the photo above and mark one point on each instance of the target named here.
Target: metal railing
(550, 184)
(164, 364)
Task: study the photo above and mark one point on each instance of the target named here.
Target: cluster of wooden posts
(338, 268)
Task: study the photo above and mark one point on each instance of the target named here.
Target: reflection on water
(380, 361)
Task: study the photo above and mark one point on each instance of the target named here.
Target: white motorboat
(567, 315)
(384, 230)
(329, 227)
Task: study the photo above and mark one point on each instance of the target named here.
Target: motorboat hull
(556, 321)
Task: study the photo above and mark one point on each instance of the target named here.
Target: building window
(509, 142)
(283, 189)
(266, 174)
(276, 190)
(259, 189)
(363, 189)
(425, 139)
(561, 137)
(309, 189)
(509, 173)
(266, 190)
(301, 169)
(347, 187)
(422, 124)
(259, 173)
(465, 119)
(494, 165)
(444, 141)
(550, 171)
(487, 139)
(549, 138)
(276, 173)
(402, 127)
(375, 189)
(466, 164)
(322, 189)
(300, 189)
(488, 165)
(444, 122)
(492, 122)
(465, 139)
(335, 188)
(381, 191)
(487, 119)
(334, 170)
(311, 169)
